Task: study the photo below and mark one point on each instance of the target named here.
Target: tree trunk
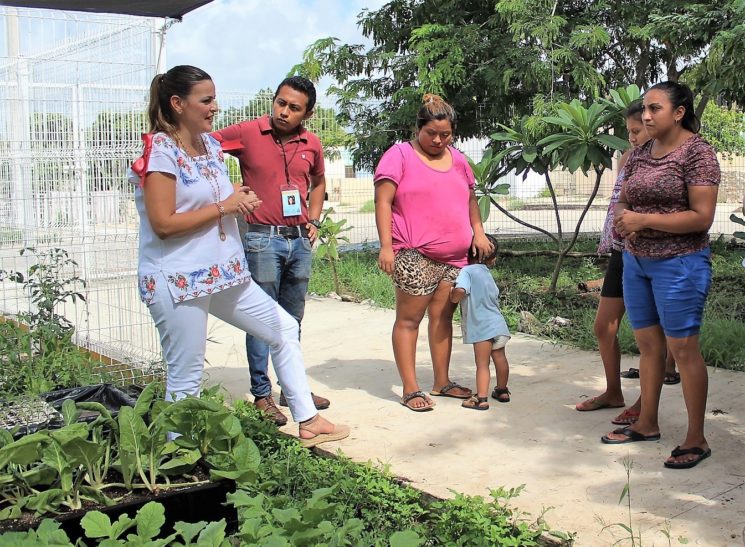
(701, 106)
(563, 251)
(337, 287)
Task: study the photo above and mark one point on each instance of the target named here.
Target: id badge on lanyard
(290, 194)
(290, 201)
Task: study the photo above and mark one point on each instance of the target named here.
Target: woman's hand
(627, 222)
(243, 201)
(481, 246)
(385, 259)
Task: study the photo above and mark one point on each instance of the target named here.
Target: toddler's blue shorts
(670, 292)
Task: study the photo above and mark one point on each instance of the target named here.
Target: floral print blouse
(199, 263)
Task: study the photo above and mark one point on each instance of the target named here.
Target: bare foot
(599, 402)
(417, 400)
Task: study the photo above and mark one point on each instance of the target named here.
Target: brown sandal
(417, 394)
(501, 394)
(444, 391)
(340, 432)
(475, 402)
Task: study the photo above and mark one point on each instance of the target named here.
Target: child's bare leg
(482, 353)
(503, 367)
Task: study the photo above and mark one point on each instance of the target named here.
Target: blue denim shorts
(670, 292)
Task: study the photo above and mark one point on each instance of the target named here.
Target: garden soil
(538, 440)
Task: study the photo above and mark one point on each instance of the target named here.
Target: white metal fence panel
(73, 89)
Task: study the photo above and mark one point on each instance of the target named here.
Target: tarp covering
(147, 8)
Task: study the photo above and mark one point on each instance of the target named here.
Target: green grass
(368, 207)
(524, 280)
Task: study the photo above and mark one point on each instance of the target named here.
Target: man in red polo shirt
(282, 163)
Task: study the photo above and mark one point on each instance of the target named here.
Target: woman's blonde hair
(435, 108)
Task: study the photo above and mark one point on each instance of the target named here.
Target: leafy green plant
(293, 480)
(100, 530)
(48, 285)
(53, 469)
(329, 236)
(633, 536)
(38, 349)
(574, 137)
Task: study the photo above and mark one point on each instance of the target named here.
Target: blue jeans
(281, 267)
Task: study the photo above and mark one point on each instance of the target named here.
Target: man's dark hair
(303, 85)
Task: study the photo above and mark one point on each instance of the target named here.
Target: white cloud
(248, 45)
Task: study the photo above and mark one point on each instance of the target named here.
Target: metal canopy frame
(174, 9)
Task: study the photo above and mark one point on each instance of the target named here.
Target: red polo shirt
(262, 162)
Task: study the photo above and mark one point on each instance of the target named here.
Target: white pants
(183, 335)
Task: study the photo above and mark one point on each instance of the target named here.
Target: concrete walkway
(538, 439)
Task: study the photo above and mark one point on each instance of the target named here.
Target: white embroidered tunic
(198, 263)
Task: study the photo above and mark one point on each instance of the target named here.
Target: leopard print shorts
(417, 275)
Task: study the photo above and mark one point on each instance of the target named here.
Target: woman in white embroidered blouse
(191, 260)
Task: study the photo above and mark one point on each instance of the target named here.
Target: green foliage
(368, 207)
(524, 282)
(323, 123)
(490, 59)
(485, 185)
(574, 137)
(329, 236)
(112, 131)
(146, 525)
(358, 274)
(64, 468)
(724, 128)
(299, 492)
(38, 349)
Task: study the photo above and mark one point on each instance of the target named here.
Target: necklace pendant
(222, 236)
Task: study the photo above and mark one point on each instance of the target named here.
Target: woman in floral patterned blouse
(665, 210)
(191, 260)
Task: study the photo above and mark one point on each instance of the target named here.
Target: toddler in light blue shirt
(483, 326)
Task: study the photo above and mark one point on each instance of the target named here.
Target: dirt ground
(538, 440)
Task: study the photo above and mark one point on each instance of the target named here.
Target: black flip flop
(631, 436)
(696, 451)
(671, 378)
(631, 373)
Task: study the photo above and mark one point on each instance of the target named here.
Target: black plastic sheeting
(175, 9)
(109, 396)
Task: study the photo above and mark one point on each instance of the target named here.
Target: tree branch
(522, 222)
(556, 207)
(595, 189)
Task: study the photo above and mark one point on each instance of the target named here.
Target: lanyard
(284, 158)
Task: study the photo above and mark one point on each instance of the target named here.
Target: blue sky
(247, 45)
